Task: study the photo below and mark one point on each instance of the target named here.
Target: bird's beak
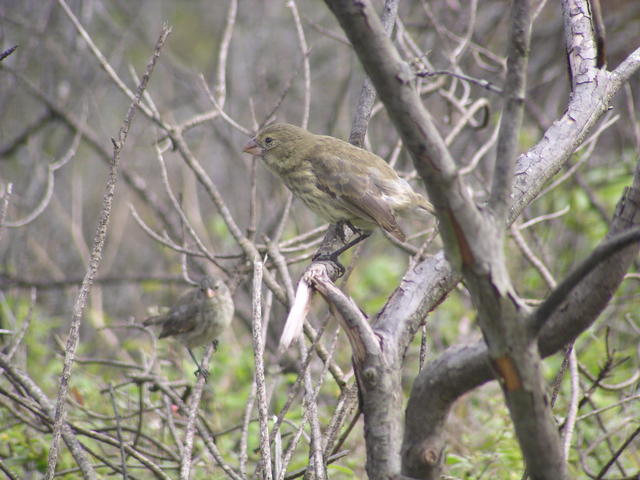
(253, 148)
(209, 293)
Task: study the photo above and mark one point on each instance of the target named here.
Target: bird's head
(278, 141)
(211, 287)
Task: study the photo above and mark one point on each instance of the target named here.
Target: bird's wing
(355, 189)
(183, 317)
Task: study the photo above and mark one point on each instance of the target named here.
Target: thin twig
(479, 104)
(203, 429)
(4, 205)
(247, 246)
(123, 457)
(134, 181)
(46, 197)
(511, 119)
(618, 452)
(223, 114)
(7, 150)
(96, 256)
(572, 409)
(164, 240)
(601, 253)
(476, 81)
(598, 411)
(544, 218)
(258, 352)
(104, 63)
(367, 96)
(330, 459)
(185, 459)
(19, 335)
(481, 152)
(221, 73)
(531, 257)
(285, 91)
(32, 389)
(346, 403)
(183, 216)
(305, 58)
(244, 436)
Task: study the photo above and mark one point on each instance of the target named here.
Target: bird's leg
(200, 371)
(330, 257)
(362, 235)
(215, 345)
(333, 256)
(341, 224)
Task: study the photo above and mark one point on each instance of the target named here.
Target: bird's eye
(268, 140)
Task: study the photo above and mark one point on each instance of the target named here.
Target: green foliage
(264, 70)
(219, 228)
(23, 450)
(373, 280)
(493, 453)
(444, 324)
(340, 472)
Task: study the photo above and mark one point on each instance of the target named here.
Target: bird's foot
(362, 235)
(202, 371)
(340, 230)
(330, 257)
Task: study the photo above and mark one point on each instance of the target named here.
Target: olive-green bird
(337, 180)
(198, 317)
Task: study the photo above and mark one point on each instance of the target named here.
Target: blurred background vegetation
(53, 77)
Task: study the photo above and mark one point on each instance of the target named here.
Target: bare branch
(621, 449)
(305, 58)
(135, 182)
(247, 246)
(258, 351)
(476, 81)
(68, 436)
(531, 257)
(46, 197)
(183, 216)
(4, 205)
(367, 96)
(26, 322)
(600, 254)
(96, 256)
(462, 368)
(511, 120)
(192, 412)
(102, 60)
(222, 113)
(162, 239)
(570, 422)
(7, 150)
(221, 74)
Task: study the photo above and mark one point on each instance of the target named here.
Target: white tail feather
(297, 315)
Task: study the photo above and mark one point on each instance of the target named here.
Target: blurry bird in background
(198, 317)
(339, 181)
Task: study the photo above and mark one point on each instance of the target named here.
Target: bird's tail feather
(295, 320)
